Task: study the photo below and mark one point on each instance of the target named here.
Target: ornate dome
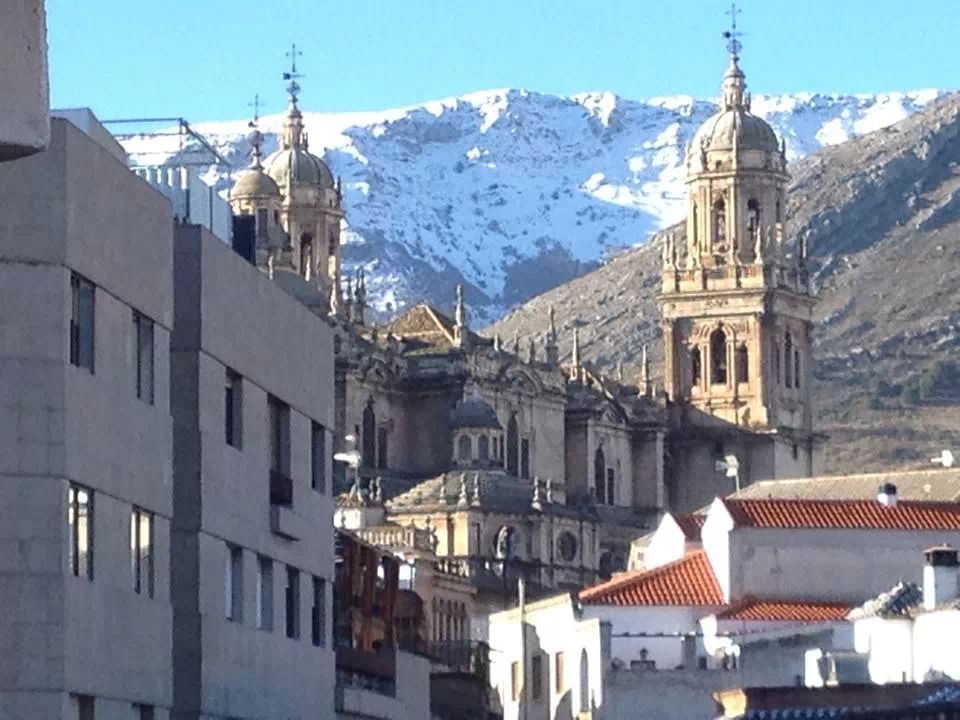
(255, 183)
(734, 120)
(474, 413)
(300, 167)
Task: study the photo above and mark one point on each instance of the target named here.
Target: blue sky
(205, 59)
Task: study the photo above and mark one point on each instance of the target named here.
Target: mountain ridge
(512, 192)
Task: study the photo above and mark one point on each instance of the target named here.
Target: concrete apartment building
(253, 511)
(86, 279)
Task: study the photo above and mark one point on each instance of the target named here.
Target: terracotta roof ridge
(626, 578)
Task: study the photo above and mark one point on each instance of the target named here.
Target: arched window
(524, 458)
(306, 256)
(796, 368)
(513, 446)
(753, 218)
(483, 448)
(464, 448)
(788, 361)
(719, 222)
(718, 357)
(599, 474)
(368, 437)
(696, 224)
(584, 682)
(382, 448)
(779, 211)
(743, 364)
(696, 366)
(611, 486)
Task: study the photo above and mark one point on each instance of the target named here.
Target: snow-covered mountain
(514, 192)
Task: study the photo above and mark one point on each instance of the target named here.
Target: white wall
(666, 652)
(935, 649)
(667, 544)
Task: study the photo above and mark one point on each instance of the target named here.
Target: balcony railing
(281, 489)
(373, 671)
(397, 537)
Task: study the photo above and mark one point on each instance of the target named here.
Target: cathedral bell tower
(311, 207)
(736, 306)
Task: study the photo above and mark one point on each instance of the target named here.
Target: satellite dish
(351, 458)
(945, 458)
(730, 466)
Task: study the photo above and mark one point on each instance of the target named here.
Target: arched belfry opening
(718, 357)
(599, 473)
(719, 222)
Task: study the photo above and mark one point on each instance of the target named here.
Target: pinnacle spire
(255, 137)
(293, 135)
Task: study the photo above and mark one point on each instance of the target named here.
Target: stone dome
(734, 120)
(474, 413)
(255, 183)
(300, 167)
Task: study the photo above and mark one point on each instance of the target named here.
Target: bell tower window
(753, 218)
(719, 221)
(306, 256)
(599, 474)
(743, 364)
(696, 224)
(718, 357)
(263, 214)
(696, 367)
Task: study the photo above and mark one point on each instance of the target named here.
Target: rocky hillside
(882, 215)
(514, 192)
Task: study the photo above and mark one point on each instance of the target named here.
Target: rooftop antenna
(945, 458)
(732, 36)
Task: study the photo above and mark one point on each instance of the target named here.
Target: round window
(567, 546)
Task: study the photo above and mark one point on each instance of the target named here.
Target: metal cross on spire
(733, 35)
(256, 105)
(293, 88)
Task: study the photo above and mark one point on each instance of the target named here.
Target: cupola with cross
(736, 298)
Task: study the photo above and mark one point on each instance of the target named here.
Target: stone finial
(431, 534)
(551, 349)
(535, 503)
(496, 342)
(575, 353)
(476, 490)
(377, 491)
(645, 385)
(462, 501)
(348, 301)
(549, 497)
(360, 297)
(532, 351)
(516, 343)
(619, 370)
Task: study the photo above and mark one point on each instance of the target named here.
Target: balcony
(397, 537)
(462, 656)
(371, 671)
(281, 489)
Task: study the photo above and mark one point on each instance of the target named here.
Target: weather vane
(733, 35)
(294, 87)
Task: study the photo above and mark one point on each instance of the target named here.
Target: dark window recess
(599, 474)
(85, 707)
(292, 598)
(524, 458)
(143, 337)
(318, 615)
(368, 437)
(318, 457)
(233, 409)
(513, 446)
(82, 323)
(536, 676)
(80, 520)
(144, 712)
(245, 237)
(718, 357)
(281, 485)
(141, 552)
(382, 447)
(611, 487)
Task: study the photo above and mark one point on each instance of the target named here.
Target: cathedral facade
(481, 462)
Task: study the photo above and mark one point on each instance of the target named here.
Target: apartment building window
(143, 337)
(536, 676)
(292, 596)
(141, 551)
(85, 707)
(559, 682)
(318, 457)
(515, 680)
(233, 586)
(233, 409)
(264, 593)
(80, 519)
(144, 712)
(318, 616)
(279, 436)
(82, 322)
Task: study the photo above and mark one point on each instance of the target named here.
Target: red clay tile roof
(689, 581)
(785, 610)
(690, 524)
(844, 514)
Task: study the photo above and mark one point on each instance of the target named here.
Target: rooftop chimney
(940, 579)
(887, 495)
